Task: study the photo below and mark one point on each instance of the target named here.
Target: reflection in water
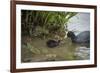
(82, 53)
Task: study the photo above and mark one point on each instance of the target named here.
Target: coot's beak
(66, 34)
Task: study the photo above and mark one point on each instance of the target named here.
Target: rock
(52, 43)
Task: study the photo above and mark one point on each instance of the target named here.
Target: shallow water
(36, 50)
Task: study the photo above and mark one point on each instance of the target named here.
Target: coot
(52, 43)
(83, 37)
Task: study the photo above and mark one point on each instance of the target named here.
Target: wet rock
(52, 43)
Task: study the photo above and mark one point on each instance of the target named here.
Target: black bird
(52, 43)
(83, 37)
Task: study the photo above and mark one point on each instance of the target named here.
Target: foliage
(44, 23)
